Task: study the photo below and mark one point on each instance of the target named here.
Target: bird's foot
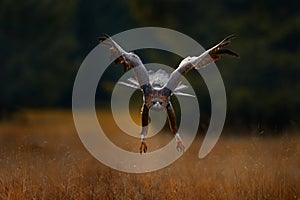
(143, 147)
(180, 147)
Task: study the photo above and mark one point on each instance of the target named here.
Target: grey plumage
(157, 87)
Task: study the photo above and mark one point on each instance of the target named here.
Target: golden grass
(41, 157)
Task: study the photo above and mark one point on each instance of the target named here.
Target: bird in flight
(157, 87)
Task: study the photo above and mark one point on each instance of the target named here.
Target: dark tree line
(44, 42)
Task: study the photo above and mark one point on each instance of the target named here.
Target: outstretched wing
(201, 61)
(128, 59)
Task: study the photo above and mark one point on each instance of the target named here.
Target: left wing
(129, 60)
(209, 56)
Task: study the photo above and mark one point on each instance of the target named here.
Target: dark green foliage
(262, 86)
(43, 43)
(37, 42)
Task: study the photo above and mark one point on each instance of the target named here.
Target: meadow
(42, 157)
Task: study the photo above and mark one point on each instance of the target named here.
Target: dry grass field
(42, 157)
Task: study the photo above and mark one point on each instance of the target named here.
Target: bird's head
(157, 104)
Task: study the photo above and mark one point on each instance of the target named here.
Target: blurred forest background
(43, 43)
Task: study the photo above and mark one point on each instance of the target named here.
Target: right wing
(128, 59)
(189, 63)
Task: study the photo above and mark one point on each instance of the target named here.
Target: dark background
(42, 44)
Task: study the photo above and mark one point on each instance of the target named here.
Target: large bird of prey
(159, 86)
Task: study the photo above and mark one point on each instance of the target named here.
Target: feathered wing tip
(217, 51)
(103, 38)
(116, 51)
(227, 40)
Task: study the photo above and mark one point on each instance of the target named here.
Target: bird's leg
(173, 126)
(145, 122)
